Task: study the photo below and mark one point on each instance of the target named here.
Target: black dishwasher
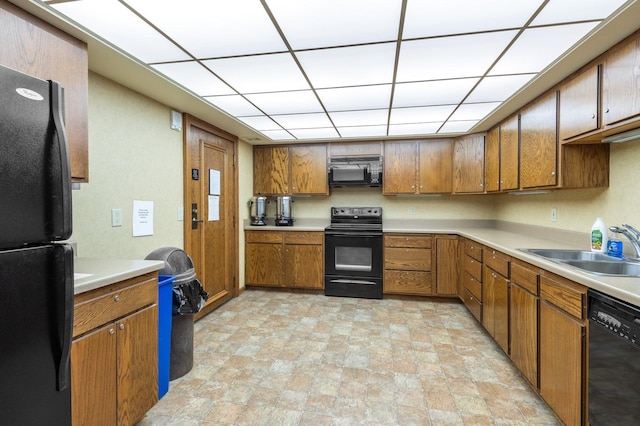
(614, 361)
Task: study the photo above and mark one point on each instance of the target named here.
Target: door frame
(192, 159)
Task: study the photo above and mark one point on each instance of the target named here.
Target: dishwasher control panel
(617, 316)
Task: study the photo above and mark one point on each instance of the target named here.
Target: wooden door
(435, 166)
(271, 170)
(579, 104)
(309, 170)
(447, 265)
(264, 263)
(621, 89)
(492, 160)
(93, 378)
(468, 164)
(399, 175)
(509, 154)
(539, 143)
(211, 183)
(524, 331)
(137, 366)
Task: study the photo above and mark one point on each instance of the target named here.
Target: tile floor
(277, 358)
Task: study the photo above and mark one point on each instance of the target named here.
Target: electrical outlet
(554, 215)
(116, 217)
(411, 210)
(180, 214)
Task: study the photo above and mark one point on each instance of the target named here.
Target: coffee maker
(284, 217)
(258, 210)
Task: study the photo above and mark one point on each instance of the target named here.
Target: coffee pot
(258, 210)
(284, 217)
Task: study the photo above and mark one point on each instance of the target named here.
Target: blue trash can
(165, 302)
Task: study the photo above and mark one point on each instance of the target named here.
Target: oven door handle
(344, 234)
(352, 282)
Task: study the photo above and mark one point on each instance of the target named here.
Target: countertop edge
(103, 272)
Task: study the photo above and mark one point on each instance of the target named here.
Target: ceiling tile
(194, 77)
(361, 118)
(260, 123)
(278, 135)
(302, 121)
(235, 105)
(413, 129)
(457, 126)
(259, 74)
(349, 66)
(323, 133)
(355, 98)
(421, 114)
(140, 40)
(451, 57)
(286, 102)
(442, 92)
(311, 24)
(498, 88)
(363, 131)
(562, 11)
(536, 48)
(435, 18)
(473, 111)
(198, 25)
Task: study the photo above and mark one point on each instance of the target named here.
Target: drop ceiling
(328, 70)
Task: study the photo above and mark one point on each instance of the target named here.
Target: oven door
(353, 254)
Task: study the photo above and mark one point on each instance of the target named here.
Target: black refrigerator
(36, 272)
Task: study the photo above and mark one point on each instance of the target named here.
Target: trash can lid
(176, 261)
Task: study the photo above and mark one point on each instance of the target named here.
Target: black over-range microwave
(355, 171)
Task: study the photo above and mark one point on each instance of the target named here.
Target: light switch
(116, 217)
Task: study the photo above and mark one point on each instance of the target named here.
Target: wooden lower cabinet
(408, 264)
(447, 273)
(563, 342)
(471, 288)
(523, 319)
(291, 259)
(495, 297)
(114, 365)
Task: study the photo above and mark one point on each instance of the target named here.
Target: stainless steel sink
(621, 268)
(591, 262)
(566, 254)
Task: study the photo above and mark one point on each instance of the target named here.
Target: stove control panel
(356, 212)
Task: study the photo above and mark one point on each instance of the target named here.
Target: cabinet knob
(413, 187)
(116, 298)
(121, 326)
(111, 331)
(553, 173)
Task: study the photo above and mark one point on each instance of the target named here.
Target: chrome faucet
(632, 235)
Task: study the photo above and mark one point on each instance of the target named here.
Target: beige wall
(133, 155)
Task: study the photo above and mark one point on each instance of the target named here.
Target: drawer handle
(121, 326)
(116, 298)
(111, 331)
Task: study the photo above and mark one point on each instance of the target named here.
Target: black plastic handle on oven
(352, 282)
(353, 234)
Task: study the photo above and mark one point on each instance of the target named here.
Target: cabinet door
(495, 304)
(446, 265)
(270, 170)
(509, 154)
(399, 168)
(562, 350)
(263, 264)
(137, 366)
(303, 266)
(435, 166)
(579, 104)
(309, 170)
(468, 164)
(538, 143)
(492, 160)
(621, 83)
(93, 378)
(524, 331)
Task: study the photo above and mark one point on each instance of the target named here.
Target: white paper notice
(142, 218)
(214, 182)
(214, 207)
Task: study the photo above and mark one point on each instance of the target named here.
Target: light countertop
(92, 273)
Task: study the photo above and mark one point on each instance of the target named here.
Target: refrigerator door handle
(57, 108)
(64, 374)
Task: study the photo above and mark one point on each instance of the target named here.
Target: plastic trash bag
(188, 298)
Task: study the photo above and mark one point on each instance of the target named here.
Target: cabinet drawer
(473, 286)
(564, 294)
(401, 282)
(407, 259)
(408, 240)
(473, 304)
(297, 237)
(473, 267)
(263, 237)
(525, 276)
(474, 250)
(95, 312)
(497, 261)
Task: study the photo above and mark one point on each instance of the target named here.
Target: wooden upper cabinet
(539, 143)
(355, 149)
(32, 46)
(579, 103)
(309, 169)
(468, 164)
(270, 170)
(492, 160)
(435, 166)
(621, 83)
(509, 154)
(399, 175)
